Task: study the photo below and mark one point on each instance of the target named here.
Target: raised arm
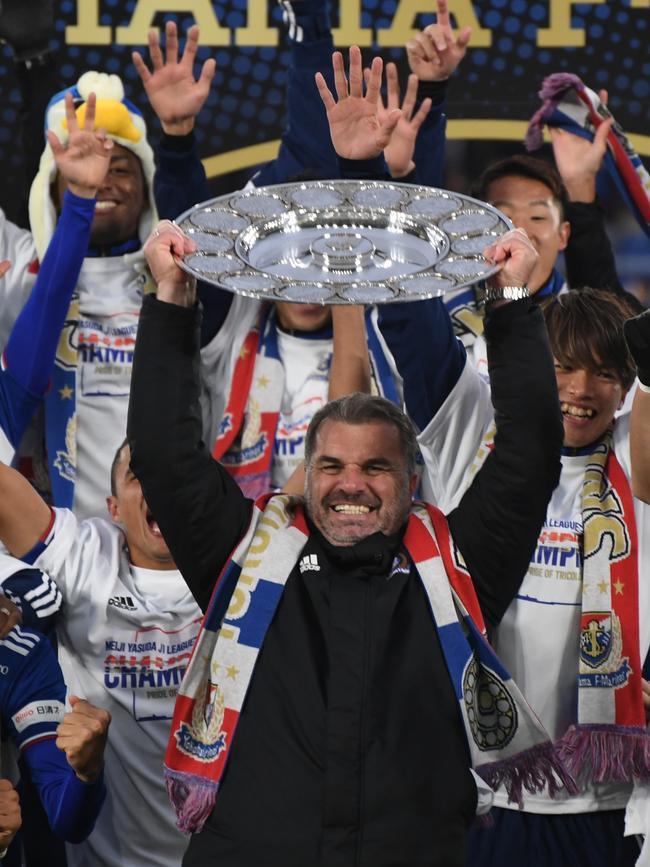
(24, 516)
(637, 334)
(433, 56)
(588, 256)
(177, 97)
(350, 370)
(357, 130)
(419, 335)
(399, 151)
(83, 163)
(305, 148)
(199, 508)
(497, 522)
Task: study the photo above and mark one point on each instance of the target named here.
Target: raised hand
(10, 818)
(434, 54)
(398, 153)
(84, 160)
(357, 131)
(578, 160)
(165, 244)
(515, 255)
(82, 737)
(175, 95)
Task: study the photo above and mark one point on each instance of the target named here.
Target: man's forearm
(497, 523)
(199, 508)
(589, 257)
(640, 445)
(180, 181)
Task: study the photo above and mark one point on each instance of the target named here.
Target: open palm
(357, 130)
(84, 160)
(175, 95)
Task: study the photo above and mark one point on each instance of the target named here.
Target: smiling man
(531, 194)
(575, 635)
(325, 681)
(85, 410)
(361, 476)
(125, 632)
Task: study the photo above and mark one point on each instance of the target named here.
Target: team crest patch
(204, 740)
(491, 712)
(601, 650)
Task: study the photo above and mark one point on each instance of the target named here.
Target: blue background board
(515, 44)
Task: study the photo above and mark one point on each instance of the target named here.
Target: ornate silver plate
(341, 242)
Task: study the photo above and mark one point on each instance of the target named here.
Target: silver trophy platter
(338, 242)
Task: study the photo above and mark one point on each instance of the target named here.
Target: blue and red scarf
(570, 105)
(246, 439)
(507, 743)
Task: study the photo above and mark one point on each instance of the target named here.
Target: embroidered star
(618, 586)
(262, 381)
(603, 586)
(244, 352)
(215, 668)
(232, 672)
(66, 392)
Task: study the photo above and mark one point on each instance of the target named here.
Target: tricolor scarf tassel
(193, 799)
(506, 741)
(534, 770)
(570, 105)
(606, 753)
(610, 742)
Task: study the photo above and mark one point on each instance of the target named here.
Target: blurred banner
(514, 45)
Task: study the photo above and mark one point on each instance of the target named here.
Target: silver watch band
(505, 293)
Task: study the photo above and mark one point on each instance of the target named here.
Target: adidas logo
(309, 563)
(125, 602)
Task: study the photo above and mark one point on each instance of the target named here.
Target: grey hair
(361, 408)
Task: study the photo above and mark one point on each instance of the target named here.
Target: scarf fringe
(534, 770)
(193, 799)
(606, 753)
(553, 89)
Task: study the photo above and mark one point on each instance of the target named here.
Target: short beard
(393, 518)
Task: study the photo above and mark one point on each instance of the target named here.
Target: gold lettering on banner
(401, 30)
(560, 33)
(88, 30)
(257, 30)
(350, 31)
(212, 33)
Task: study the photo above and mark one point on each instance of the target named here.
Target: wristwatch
(505, 293)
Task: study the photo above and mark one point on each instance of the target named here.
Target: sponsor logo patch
(38, 712)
